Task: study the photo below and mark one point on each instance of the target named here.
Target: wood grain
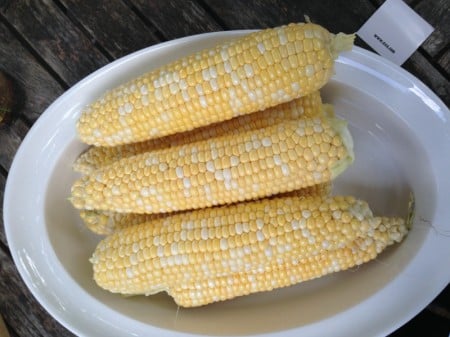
(35, 87)
(54, 38)
(267, 13)
(111, 24)
(48, 45)
(11, 137)
(20, 309)
(177, 18)
(436, 13)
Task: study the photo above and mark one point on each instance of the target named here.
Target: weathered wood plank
(35, 89)
(418, 65)
(112, 24)
(437, 14)
(54, 38)
(177, 18)
(19, 305)
(2, 193)
(11, 136)
(444, 61)
(266, 13)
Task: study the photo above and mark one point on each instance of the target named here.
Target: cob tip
(340, 126)
(341, 42)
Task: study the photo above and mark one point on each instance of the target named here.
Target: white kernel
(214, 154)
(223, 244)
(160, 251)
(248, 146)
(158, 94)
(268, 252)
(213, 72)
(248, 70)
(295, 86)
(210, 166)
(163, 166)
(205, 74)
(238, 227)
(317, 128)
(306, 213)
(203, 101)
(218, 174)
(144, 100)
(227, 174)
(255, 187)
(183, 84)
(179, 172)
(174, 88)
(165, 117)
(261, 47)
(295, 224)
(325, 244)
(174, 248)
(285, 169)
(135, 247)
(309, 33)
(337, 214)
(186, 182)
(145, 192)
(277, 159)
(224, 54)
(129, 272)
(282, 37)
(115, 190)
(185, 96)
(204, 233)
(256, 144)
(259, 223)
(234, 160)
(260, 236)
(199, 89)
(234, 78)
(300, 131)
(309, 70)
(156, 83)
(214, 85)
(128, 107)
(266, 142)
(227, 67)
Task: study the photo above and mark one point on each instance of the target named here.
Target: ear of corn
(219, 253)
(107, 222)
(258, 71)
(253, 164)
(306, 106)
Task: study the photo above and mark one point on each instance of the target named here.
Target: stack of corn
(211, 175)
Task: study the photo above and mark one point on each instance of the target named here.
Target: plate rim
(49, 307)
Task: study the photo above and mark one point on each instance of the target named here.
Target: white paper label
(395, 31)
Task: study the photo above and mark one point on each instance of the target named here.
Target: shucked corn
(219, 253)
(107, 222)
(255, 72)
(289, 155)
(306, 106)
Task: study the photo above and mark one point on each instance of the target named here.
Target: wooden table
(46, 46)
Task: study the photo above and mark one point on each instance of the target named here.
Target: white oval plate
(402, 136)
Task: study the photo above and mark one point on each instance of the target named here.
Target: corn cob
(253, 164)
(107, 222)
(255, 72)
(219, 253)
(100, 156)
